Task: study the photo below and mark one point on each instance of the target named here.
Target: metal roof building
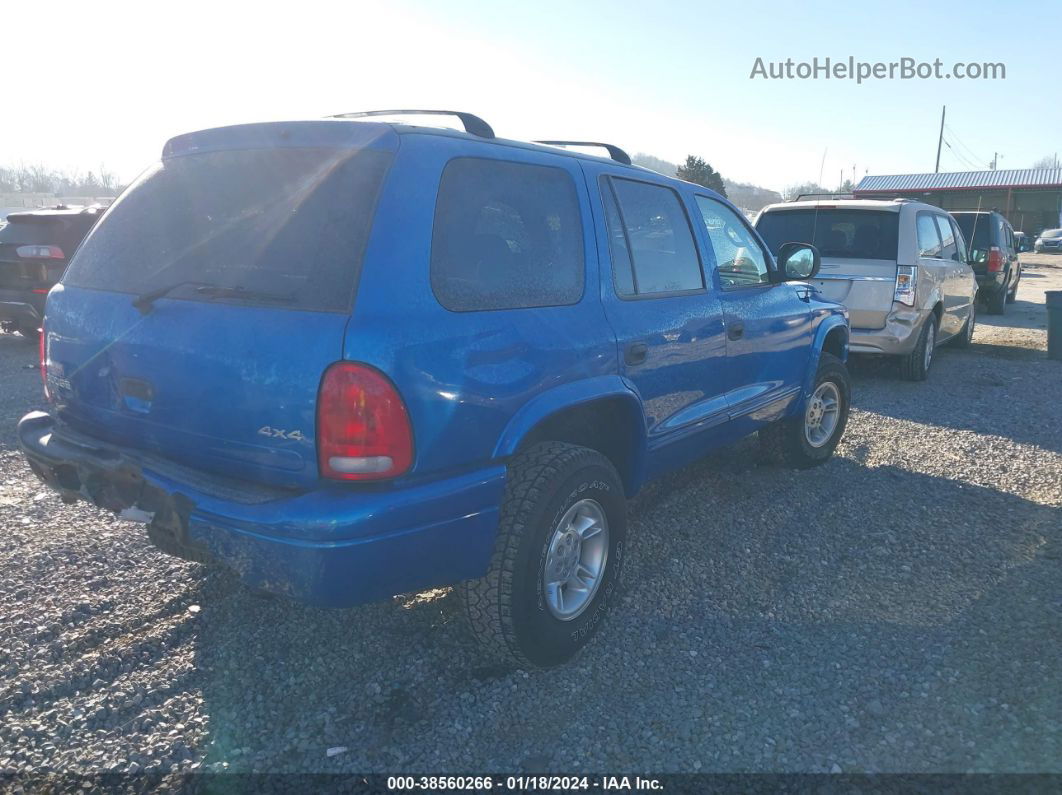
(1031, 198)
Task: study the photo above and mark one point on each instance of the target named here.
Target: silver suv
(901, 267)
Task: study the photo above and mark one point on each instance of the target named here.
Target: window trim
(581, 234)
(606, 179)
(768, 259)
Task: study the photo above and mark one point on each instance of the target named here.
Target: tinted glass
(962, 253)
(286, 222)
(852, 234)
(659, 239)
(65, 232)
(506, 236)
(977, 229)
(622, 270)
(947, 236)
(739, 258)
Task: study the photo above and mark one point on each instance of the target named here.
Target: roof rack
(473, 124)
(614, 152)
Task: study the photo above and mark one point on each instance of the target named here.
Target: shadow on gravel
(771, 620)
(971, 391)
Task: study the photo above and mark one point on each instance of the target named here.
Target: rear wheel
(915, 365)
(810, 439)
(557, 557)
(965, 337)
(996, 302)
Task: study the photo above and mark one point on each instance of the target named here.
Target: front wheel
(810, 439)
(557, 557)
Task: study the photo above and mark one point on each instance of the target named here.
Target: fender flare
(575, 393)
(827, 325)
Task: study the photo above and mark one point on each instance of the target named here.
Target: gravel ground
(895, 610)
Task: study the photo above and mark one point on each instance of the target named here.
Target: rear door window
(506, 236)
(929, 244)
(835, 232)
(653, 252)
(288, 223)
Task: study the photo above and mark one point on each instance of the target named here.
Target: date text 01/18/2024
(522, 783)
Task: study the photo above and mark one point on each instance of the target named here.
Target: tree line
(38, 178)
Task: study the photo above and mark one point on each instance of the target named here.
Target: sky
(107, 83)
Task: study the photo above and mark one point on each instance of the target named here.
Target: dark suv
(35, 247)
(349, 359)
(993, 257)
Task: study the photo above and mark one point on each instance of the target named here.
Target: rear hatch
(977, 229)
(242, 248)
(858, 248)
(46, 241)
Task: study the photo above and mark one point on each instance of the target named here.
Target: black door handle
(636, 353)
(735, 330)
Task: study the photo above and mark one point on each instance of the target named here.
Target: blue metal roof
(962, 180)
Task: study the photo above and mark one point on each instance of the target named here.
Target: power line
(963, 160)
(955, 137)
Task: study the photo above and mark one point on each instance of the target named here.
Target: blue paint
(226, 376)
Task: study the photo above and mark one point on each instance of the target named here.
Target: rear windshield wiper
(145, 302)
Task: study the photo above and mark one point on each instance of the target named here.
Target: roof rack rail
(473, 124)
(825, 196)
(614, 152)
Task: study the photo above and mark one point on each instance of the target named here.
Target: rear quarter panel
(464, 375)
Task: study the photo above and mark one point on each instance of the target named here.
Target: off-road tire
(783, 442)
(30, 332)
(913, 365)
(506, 608)
(996, 302)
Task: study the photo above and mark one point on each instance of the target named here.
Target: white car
(900, 266)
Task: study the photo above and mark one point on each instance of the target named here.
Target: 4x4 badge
(279, 433)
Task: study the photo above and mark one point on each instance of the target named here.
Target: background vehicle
(1049, 241)
(35, 247)
(352, 359)
(1022, 242)
(993, 256)
(899, 266)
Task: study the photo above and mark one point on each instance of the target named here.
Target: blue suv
(348, 358)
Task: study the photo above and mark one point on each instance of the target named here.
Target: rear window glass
(852, 234)
(56, 231)
(287, 223)
(977, 229)
(506, 236)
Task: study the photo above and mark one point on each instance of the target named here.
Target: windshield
(289, 222)
(851, 234)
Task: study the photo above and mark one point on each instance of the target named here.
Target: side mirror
(798, 261)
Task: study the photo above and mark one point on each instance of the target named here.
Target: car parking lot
(894, 610)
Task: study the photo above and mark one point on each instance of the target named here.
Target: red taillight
(363, 430)
(40, 252)
(995, 260)
(44, 362)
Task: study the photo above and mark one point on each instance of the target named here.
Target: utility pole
(940, 138)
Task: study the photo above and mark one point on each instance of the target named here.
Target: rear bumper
(897, 338)
(332, 547)
(21, 307)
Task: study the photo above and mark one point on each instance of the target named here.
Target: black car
(993, 257)
(35, 247)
